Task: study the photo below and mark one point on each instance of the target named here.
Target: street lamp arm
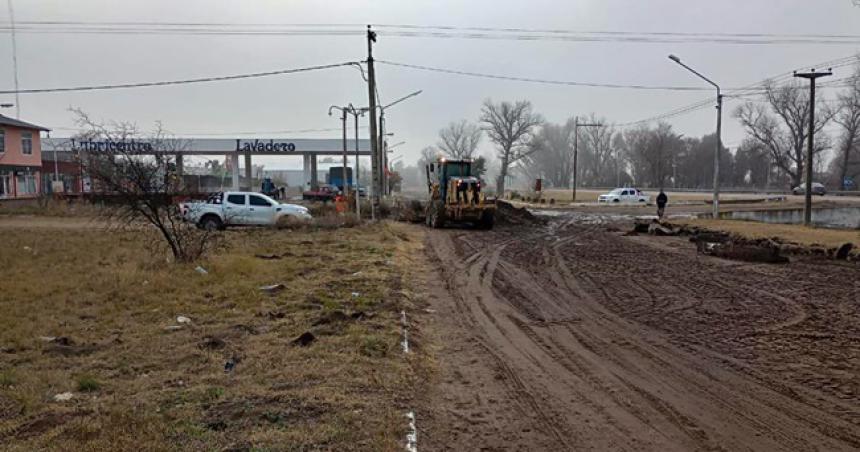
(335, 107)
(678, 60)
(403, 98)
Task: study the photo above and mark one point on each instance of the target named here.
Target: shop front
(20, 159)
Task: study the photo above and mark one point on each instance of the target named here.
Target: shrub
(88, 384)
(374, 347)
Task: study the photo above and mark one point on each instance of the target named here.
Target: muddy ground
(567, 336)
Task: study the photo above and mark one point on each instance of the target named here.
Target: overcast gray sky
(301, 101)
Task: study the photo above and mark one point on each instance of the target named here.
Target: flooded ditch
(826, 217)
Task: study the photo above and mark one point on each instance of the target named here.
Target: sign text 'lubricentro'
(112, 146)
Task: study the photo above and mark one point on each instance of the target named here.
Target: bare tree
(597, 152)
(138, 190)
(848, 119)
(651, 153)
(783, 133)
(460, 140)
(510, 127)
(428, 154)
(550, 155)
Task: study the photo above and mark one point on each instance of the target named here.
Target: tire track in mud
(799, 316)
(479, 267)
(568, 359)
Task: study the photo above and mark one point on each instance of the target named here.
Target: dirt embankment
(567, 337)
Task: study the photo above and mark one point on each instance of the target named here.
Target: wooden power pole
(807, 204)
(374, 143)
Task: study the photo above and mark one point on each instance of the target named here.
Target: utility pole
(14, 58)
(374, 144)
(807, 203)
(576, 126)
(716, 206)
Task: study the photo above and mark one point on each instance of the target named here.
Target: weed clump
(87, 383)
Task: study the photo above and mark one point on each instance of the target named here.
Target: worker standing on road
(662, 199)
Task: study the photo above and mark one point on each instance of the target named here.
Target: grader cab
(455, 195)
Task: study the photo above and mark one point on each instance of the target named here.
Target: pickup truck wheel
(616, 200)
(211, 223)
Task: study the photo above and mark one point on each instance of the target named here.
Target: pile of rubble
(507, 213)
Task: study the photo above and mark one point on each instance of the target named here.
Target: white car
(625, 195)
(239, 208)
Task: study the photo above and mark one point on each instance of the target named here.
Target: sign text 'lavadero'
(264, 146)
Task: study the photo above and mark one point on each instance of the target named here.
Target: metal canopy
(210, 146)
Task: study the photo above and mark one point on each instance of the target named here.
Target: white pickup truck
(624, 195)
(239, 208)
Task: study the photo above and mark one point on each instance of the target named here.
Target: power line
(178, 31)
(548, 82)
(263, 132)
(613, 32)
(441, 28)
(627, 39)
(753, 89)
(187, 24)
(253, 132)
(179, 82)
(144, 28)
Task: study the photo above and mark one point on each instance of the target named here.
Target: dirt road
(569, 337)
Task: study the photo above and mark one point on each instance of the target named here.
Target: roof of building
(7, 121)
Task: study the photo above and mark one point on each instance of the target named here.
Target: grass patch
(7, 379)
(87, 383)
(162, 383)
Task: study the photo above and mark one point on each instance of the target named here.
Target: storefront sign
(264, 146)
(112, 146)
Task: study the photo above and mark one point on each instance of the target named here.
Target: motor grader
(455, 195)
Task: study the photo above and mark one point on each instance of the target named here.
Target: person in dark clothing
(662, 199)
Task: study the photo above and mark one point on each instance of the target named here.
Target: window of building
(26, 184)
(5, 184)
(2, 140)
(26, 143)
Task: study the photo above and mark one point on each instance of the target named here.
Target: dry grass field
(90, 313)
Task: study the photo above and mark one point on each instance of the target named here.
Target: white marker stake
(405, 342)
(412, 436)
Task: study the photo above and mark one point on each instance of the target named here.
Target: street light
(383, 155)
(344, 111)
(389, 148)
(356, 112)
(716, 208)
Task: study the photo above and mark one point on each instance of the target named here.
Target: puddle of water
(829, 217)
